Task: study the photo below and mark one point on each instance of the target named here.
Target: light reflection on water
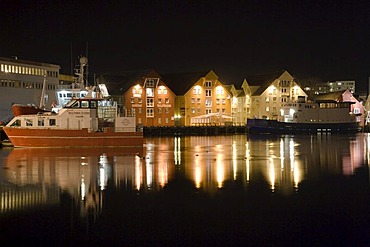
(282, 161)
(34, 177)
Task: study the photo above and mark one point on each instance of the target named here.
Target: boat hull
(19, 110)
(276, 127)
(23, 137)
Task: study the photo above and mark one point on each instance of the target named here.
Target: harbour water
(230, 190)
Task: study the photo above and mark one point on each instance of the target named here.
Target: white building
(337, 86)
(21, 82)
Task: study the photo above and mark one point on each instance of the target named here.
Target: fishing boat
(308, 117)
(83, 122)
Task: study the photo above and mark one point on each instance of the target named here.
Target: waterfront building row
(162, 99)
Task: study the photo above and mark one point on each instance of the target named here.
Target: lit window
(223, 101)
(193, 110)
(219, 90)
(267, 108)
(150, 92)
(267, 99)
(164, 90)
(208, 102)
(217, 101)
(160, 91)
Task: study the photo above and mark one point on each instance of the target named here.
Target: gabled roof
(263, 81)
(180, 83)
(119, 82)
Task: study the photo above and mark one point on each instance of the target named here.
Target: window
(159, 101)
(219, 90)
(160, 91)
(166, 120)
(150, 92)
(167, 110)
(167, 100)
(223, 110)
(208, 111)
(139, 120)
(132, 100)
(140, 100)
(140, 110)
(274, 99)
(52, 122)
(198, 110)
(217, 101)
(151, 82)
(150, 112)
(208, 84)
(150, 102)
(193, 110)
(29, 122)
(223, 101)
(198, 100)
(40, 122)
(192, 100)
(159, 110)
(159, 120)
(208, 92)
(208, 103)
(356, 110)
(164, 90)
(267, 99)
(267, 108)
(196, 90)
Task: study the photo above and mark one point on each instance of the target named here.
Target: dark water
(190, 191)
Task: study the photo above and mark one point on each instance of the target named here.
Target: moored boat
(308, 117)
(87, 122)
(26, 109)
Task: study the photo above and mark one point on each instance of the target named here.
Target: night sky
(322, 40)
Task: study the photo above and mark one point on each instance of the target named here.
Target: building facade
(143, 94)
(201, 99)
(21, 82)
(269, 91)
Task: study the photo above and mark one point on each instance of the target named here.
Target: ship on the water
(87, 122)
(308, 117)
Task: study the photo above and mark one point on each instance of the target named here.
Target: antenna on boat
(81, 80)
(43, 93)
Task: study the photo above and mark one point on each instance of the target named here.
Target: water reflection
(33, 177)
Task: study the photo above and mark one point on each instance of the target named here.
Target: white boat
(88, 122)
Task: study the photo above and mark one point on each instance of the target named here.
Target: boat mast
(42, 104)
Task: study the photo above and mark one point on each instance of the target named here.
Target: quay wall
(193, 130)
